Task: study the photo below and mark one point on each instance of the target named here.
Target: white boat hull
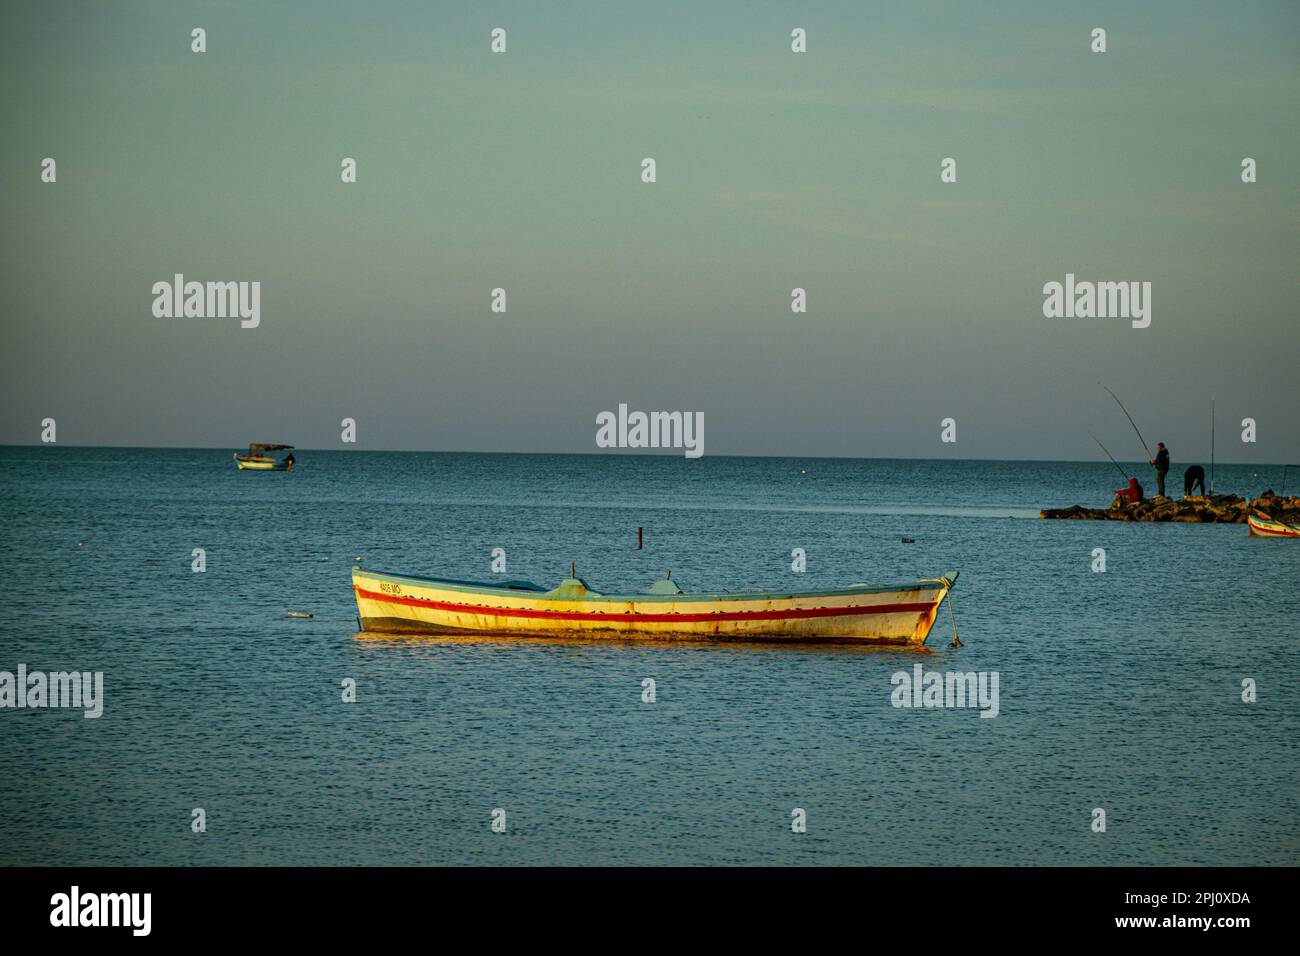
(897, 615)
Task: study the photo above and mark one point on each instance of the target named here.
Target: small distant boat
(257, 459)
(903, 614)
(1262, 526)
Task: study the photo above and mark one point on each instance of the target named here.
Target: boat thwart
(902, 614)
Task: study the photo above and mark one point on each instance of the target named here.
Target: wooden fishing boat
(259, 463)
(1262, 526)
(902, 614)
(257, 459)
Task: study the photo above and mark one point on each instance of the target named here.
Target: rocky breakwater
(1216, 509)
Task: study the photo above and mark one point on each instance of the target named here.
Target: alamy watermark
(38, 689)
(1101, 300)
(76, 908)
(208, 300)
(939, 689)
(651, 430)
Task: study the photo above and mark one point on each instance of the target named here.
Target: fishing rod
(1212, 449)
(1111, 457)
(1150, 457)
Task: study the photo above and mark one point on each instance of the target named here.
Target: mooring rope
(956, 641)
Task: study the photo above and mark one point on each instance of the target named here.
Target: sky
(775, 170)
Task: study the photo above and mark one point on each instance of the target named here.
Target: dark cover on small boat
(257, 449)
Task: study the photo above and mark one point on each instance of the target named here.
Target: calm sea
(1118, 690)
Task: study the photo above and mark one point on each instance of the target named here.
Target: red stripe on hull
(649, 618)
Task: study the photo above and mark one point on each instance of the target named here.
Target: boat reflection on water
(407, 640)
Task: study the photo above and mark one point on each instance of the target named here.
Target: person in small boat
(1133, 493)
(1161, 463)
(1192, 477)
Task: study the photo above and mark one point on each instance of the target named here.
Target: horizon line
(669, 453)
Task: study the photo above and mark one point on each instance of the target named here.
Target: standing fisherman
(1161, 463)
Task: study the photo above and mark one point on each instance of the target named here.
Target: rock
(1216, 509)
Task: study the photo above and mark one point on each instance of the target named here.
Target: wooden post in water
(638, 539)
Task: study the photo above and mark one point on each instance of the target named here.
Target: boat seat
(665, 585)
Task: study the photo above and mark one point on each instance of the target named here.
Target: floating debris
(909, 541)
(298, 614)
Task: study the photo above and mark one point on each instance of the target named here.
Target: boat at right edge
(1262, 526)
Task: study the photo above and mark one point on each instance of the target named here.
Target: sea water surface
(1119, 690)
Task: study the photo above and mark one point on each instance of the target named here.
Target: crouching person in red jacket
(1133, 493)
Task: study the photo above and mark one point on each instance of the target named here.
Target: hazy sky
(775, 170)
